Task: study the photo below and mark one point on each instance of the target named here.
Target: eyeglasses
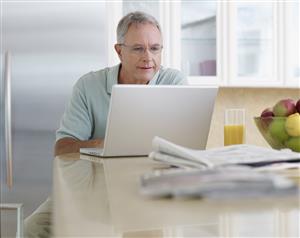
(140, 50)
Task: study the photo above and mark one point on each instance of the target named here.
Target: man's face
(140, 54)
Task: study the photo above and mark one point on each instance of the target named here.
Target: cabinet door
(252, 43)
(149, 6)
(198, 38)
(292, 40)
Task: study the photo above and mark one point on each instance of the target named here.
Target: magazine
(226, 183)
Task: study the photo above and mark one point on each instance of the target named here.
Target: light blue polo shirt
(86, 114)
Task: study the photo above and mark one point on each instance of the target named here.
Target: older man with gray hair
(139, 46)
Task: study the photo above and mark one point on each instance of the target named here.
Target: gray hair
(134, 18)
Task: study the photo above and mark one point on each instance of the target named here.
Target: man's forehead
(139, 32)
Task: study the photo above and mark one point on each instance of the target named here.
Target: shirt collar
(153, 81)
(112, 78)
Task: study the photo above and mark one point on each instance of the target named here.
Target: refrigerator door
(52, 44)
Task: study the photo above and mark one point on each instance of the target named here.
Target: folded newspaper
(244, 154)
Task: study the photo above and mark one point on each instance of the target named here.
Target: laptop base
(99, 152)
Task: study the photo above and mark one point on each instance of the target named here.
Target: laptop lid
(181, 114)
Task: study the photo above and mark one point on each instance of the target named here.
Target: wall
(254, 100)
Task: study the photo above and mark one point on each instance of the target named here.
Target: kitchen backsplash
(254, 100)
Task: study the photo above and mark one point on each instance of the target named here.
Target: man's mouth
(145, 67)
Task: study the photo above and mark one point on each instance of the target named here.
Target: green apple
(293, 143)
(277, 130)
(292, 124)
(284, 108)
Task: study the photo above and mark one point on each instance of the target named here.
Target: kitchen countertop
(102, 199)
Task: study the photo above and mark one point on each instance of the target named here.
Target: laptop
(138, 113)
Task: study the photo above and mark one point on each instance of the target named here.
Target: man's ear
(118, 49)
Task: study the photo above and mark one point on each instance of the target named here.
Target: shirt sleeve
(76, 122)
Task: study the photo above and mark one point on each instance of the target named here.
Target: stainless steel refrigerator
(50, 46)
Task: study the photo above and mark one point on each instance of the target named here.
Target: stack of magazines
(225, 172)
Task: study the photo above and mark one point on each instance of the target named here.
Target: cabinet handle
(7, 113)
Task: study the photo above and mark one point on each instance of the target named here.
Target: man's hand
(70, 145)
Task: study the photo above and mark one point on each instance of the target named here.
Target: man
(139, 49)
(139, 46)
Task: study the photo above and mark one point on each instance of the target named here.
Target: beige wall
(254, 100)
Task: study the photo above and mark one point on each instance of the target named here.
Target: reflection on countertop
(101, 198)
(81, 195)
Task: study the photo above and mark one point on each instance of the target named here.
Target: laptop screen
(137, 113)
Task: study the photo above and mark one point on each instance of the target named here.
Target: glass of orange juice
(234, 126)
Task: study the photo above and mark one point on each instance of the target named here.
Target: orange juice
(234, 134)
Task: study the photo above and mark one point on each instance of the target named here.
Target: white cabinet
(291, 48)
(198, 38)
(253, 43)
(236, 43)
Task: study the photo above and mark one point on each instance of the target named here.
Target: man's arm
(70, 145)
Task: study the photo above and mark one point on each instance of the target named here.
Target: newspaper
(244, 154)
(226, 183)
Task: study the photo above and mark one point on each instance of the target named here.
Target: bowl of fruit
(280, 125)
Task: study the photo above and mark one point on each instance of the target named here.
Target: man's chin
(146, 79)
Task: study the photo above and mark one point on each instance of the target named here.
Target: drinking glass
(234, 126)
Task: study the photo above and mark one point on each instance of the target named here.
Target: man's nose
(147, 55)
